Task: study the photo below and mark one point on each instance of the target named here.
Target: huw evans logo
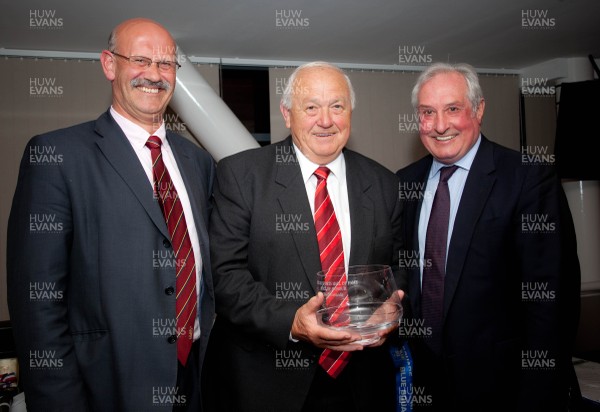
(44, 359)
(44, 87)
(537, 155)
(414, 396)
(537, 86)
(413, 55)
(167, 396)
(290, 359)
(291, 291)
(285, 155)
(44, 19)
(173, 123)
(411, 190)
(290, 19)
(44, 155)
(537, 360)
(162, 259)
(412, 259)
(537, 292)
(537, 19)
(537, 223)
(44, 223)
(290, 223)
(408, 123)
(414, 328)
(45, 291)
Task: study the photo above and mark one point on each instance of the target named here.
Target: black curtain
(577, 130)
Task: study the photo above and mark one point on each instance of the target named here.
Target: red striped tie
(169, 201)
(331, 251)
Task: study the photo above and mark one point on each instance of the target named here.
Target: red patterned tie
(172, 209)
(331, 251)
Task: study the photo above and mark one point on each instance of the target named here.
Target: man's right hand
(306, 328)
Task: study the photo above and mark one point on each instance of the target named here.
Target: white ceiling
(485, 33)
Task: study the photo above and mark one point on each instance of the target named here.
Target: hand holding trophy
(362, 300)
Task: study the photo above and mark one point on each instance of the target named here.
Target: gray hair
(474, 93)
(112, 41)
(286, 97)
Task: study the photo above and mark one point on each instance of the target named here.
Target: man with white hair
(492, 340)
(267, 352)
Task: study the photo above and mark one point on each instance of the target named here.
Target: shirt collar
(464, 162)
(136, 134)
(337, 166)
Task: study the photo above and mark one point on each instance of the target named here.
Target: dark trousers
(366, 384)
(329, 395)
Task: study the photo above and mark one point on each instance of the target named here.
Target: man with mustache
(112, 303)
(498, 297)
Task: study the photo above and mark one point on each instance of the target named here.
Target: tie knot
(322, 172)
(154, 142)
(447, 172)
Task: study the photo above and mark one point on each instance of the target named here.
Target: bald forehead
(129, 30)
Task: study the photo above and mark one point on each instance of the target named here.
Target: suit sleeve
(549, 273)
(40, 234)
(241, 298)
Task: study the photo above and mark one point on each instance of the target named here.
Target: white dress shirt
(338, 192)
(456, 185)
(138, 137)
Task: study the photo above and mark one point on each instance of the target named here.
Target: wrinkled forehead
(144, 36)
(443, 89)
(320, 83)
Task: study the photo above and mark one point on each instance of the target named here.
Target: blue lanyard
(403, 363)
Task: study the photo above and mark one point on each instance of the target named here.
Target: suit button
(170, 290)
(166, 243)
(172, 339)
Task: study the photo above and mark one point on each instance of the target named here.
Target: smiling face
(448, 126)
(319, 117)
(141, 94)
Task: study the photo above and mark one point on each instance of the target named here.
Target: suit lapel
(195, 188)
(416, 191)
(293, 201)
(478, 187)
(119, 153)
(361, 210)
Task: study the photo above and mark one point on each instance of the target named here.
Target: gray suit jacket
(91, 271)
(265, 259)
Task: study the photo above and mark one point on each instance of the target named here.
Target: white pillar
(207, 116)
(584, 201)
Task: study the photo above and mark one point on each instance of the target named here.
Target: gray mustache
(148, 83)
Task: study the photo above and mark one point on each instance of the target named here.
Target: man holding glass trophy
(293, 220)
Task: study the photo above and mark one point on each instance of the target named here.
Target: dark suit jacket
(511, 296)
(265, 269)
(89, 274)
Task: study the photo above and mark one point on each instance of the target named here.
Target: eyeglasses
(144, 63)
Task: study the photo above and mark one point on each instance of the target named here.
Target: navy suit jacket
(511, 291)
(89, 279)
